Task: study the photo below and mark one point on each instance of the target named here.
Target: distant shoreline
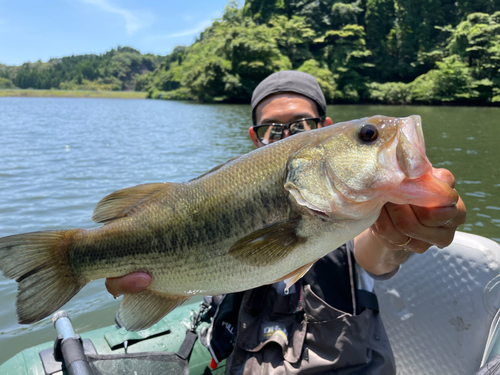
(33, 93)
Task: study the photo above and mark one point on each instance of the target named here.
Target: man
(328, 322)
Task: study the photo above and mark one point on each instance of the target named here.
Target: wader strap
(187, 346)
(191, 336)
(367, 300)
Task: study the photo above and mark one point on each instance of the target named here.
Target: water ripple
(60, 156)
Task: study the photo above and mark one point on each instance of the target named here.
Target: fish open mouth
(420, 186)
(410, 151)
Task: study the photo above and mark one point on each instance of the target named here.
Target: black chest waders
(327, 326)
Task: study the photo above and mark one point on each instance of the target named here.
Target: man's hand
(128, 284)
(379, 250)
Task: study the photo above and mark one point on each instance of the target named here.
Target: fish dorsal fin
(268, 245)
(121, 203)
(214, 169)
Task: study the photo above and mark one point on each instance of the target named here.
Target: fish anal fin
(268, 245)
(296, 275)
(122, 202)
(141, 310)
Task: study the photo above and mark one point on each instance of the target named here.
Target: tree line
(382, 51)
(114, 70)
(388, 51)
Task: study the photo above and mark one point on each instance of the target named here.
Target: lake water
(59, 157)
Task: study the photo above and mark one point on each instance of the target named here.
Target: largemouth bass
(262, 217)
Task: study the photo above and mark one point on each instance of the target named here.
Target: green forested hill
(383, 51)
(113, 70)
(391, 51)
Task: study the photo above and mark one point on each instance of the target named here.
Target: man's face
(283, 109)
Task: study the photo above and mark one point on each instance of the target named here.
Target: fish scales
(189, 217)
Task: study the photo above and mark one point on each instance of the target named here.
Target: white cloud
(151, 42)
(216, 13)
(132, 22)
(188, 17)
(199, 28)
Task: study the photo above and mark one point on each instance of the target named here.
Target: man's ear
(253, 137)
(327, 122)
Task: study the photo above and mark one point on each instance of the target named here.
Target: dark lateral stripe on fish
(199, 232)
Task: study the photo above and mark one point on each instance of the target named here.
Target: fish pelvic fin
(38, 262)
(141, 310)
(268, 245)
(121, 203)
(296, 275)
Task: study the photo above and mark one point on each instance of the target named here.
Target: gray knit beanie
(289, 81)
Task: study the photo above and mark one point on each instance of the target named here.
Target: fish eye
(368, 133)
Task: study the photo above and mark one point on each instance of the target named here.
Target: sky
(32, 30)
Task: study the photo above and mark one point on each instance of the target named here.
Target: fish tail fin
(38, 261)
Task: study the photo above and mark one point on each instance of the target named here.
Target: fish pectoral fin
(296, 275)
(268, 245)
(141, 310)
(122, 202)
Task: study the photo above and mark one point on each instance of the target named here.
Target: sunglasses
(269, 133)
